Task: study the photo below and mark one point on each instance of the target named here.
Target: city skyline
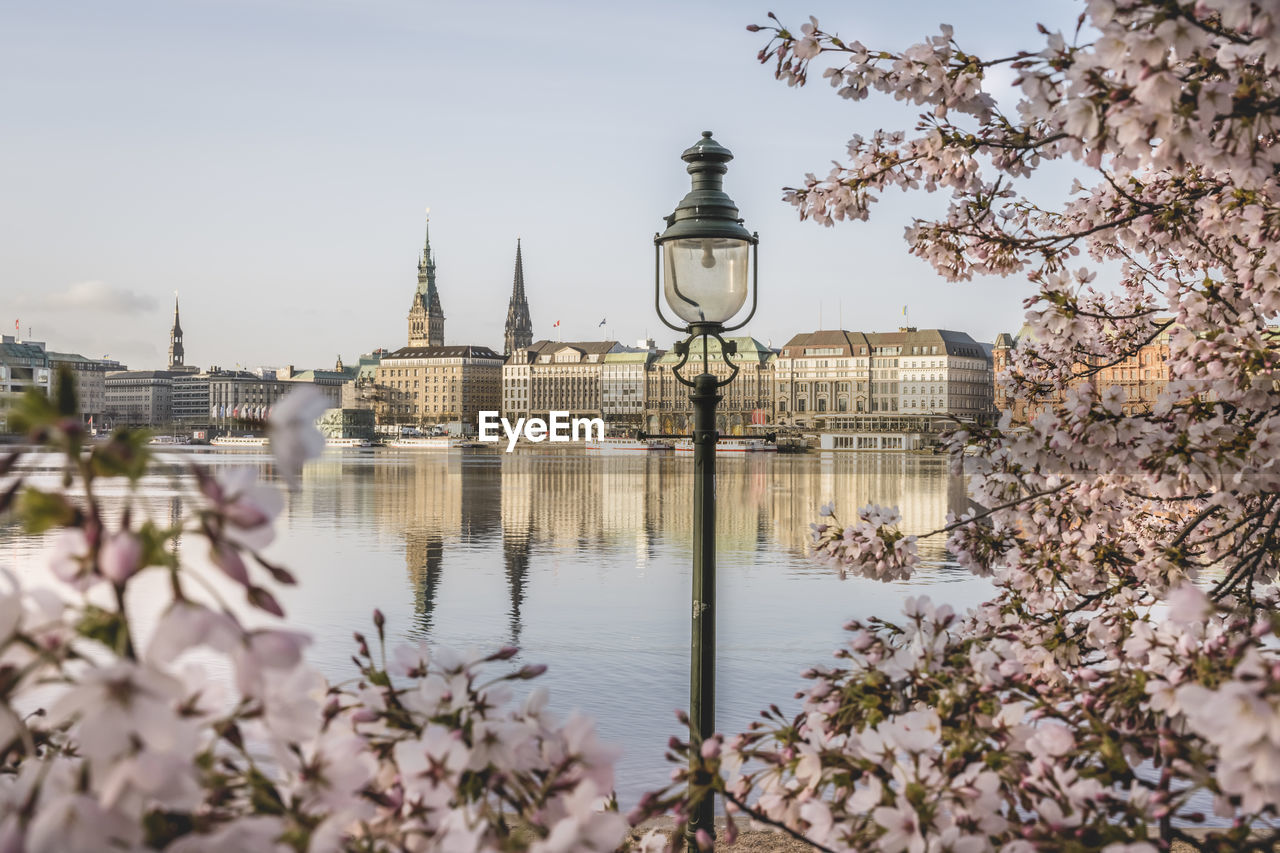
(274, 168)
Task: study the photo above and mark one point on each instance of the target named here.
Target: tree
(1124, 675)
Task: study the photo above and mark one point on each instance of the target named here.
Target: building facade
(832, 379)
(23, 365)
(1142, 378)
(556, 376)
(820, 372)
(747, 400)
(347, 423)
(426, 317)
(425, 386)
(240, 399)
(518, 333)
(90, 375)
(139, 398)
(330, 382)
(624, 379)
(191, 399)
(362, 391)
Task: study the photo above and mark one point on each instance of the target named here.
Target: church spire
(176, 354)
(519, 329)
(426, 317)
(427, 263)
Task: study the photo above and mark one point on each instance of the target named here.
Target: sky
(271, 161)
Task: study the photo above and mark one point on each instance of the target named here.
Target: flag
(556, 323)
(602, 322)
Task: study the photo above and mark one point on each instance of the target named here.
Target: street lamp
(700, 265)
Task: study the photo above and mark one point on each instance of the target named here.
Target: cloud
(97, 296)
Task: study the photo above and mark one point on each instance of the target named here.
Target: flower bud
(120, 557)
(703, 839)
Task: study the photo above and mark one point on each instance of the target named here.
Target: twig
(755, 815)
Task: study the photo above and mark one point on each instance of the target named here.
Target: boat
(420, 442)
(169, 439)
(240, 441)
(733, 445)
(626, 445)
(346, 442)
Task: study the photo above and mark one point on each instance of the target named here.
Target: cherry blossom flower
(294, 436)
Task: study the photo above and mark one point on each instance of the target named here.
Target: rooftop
(443, 352)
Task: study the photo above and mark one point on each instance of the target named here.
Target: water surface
(583, 561)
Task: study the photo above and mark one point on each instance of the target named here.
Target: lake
(583, 561)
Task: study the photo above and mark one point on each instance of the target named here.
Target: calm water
(582, 560)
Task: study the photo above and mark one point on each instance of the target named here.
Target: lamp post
(700, 265)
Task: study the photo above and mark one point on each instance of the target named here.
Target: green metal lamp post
(701, 268)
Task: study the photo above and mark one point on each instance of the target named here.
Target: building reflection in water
(548, 503)
(583, 561)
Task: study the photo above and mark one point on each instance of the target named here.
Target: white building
(834, 378)
(556, 375)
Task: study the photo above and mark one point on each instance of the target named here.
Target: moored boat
(625, 445)
(346, 442)
(420, 442)
(240, 441)
(733, 445)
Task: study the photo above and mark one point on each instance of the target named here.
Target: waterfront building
(835, 379)
(623, 380)
(241, 399)
(943, 372)
(518, 333)
(556, 375)
(191, 399)
(821, 372)
(347, 423)
(90, 378)
(748, 399)
(139, 398)
(361, 390)
(426, 317)
(23, 365)
(330, 382)
(1142, 377)
(429, 385)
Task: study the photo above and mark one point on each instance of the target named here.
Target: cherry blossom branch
(776, 824)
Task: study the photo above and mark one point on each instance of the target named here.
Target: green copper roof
(749, 349)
